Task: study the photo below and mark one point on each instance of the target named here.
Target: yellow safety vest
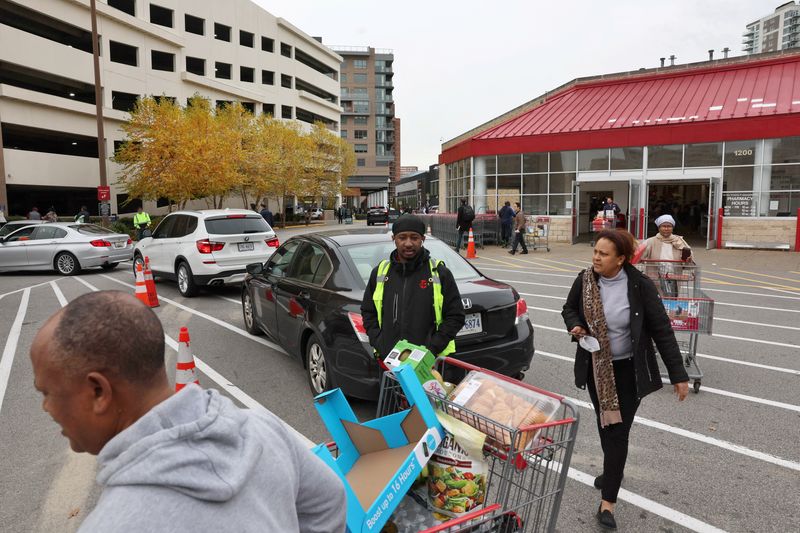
(438, 297)
(141, 219)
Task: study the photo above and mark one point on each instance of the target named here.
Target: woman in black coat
(616, 305)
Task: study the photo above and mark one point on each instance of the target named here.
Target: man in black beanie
(411, 296)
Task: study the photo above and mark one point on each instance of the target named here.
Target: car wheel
(319, 376)
(67, 264)
(249, 314)
(186, 284)
(109, 266)
(137, 260)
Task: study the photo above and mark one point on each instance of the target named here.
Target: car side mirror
(255, 269)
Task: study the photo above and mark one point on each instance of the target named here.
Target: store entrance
(686, 202)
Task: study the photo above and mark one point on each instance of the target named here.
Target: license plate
(472, 325)
(119, 245)
(246, 247)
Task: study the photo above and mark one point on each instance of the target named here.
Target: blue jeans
(460, 239)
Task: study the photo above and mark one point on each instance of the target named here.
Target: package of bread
(506, 407)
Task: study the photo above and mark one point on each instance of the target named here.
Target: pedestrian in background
(464, 218)
(266, 214)
(180, 462)
(51, 215)
(519, 230)
(83, 216)
(506, 223)
(615, 314)
(34, 214)
(141, 221)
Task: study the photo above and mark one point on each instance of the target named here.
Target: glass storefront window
(593, 159)
(740, 178)
(703, 155)
(561, 183)
(783, 203)
(780, 177)
(508, 186)
(534, 184)
(508, 164)
(628, 158)
(559, 203)
(489, 164)
(562, 161)
(534, 205)
(534, 162)
(741, 153)
(785, 150)
(666, 156)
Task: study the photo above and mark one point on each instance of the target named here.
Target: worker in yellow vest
(141, 221)
(412, 296)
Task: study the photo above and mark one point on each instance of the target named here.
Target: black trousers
(505, 232)
(614, 438)
(519, 238)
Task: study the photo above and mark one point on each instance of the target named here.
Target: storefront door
(714, 205)
(635, 201)
(576, 211)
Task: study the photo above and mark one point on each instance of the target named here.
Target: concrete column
(443, 188)
(479, 185)
(761, 189)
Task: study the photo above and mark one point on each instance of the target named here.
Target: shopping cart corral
(527, 465)
(690, 310)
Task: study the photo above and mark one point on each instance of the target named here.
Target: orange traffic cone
(150, 284)
(184, 367)
(471, 246)
(141, 286)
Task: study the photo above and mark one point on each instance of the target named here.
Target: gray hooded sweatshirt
(197, 462)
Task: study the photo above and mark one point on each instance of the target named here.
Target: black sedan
(377, 215)
(307, 297)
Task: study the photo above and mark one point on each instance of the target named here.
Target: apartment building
(777, 31)
(369, 123)
(225, 51)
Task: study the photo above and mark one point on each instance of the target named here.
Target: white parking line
(11, 344)
(755, 323)
(23, 289)
(210, 318)
(62, 301)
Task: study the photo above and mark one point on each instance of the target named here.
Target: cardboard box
(421, 360)
(379, 460)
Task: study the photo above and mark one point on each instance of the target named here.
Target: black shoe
(525, 252)
(598, 482)
(512, 252)
(606, 519)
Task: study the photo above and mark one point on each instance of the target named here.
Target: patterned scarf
(602, 367)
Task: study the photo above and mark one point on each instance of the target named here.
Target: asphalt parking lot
(726, 459)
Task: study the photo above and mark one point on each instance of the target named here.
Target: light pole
(98, 100)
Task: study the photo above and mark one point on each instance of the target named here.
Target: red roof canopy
(734, 101)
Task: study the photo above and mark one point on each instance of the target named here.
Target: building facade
(369, 123)
(225, 51)
(418, 191)
(777, 31)
(689, 140)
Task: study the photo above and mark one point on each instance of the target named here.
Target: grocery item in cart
(421, 360)
(458, 470)
(505, 406)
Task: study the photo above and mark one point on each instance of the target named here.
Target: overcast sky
(461, 63)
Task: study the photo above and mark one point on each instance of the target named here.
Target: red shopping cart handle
(467, 366)
(473, 515)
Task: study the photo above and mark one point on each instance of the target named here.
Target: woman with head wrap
(664, 246)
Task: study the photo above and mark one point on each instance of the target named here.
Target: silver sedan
(64, 247)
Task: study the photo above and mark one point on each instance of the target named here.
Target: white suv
(210, 247)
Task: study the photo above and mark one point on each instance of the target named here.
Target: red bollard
(797, 233)
(719, 228)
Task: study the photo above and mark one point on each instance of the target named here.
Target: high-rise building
(225, 51)
(369, 124)
(776, 31)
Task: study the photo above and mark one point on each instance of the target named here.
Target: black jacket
(408, 307)
(649, 323)
(461, 224)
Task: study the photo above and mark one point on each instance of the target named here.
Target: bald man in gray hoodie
(188, 461)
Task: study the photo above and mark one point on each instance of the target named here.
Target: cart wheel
(696, 386)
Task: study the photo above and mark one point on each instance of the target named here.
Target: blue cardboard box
(379, 460)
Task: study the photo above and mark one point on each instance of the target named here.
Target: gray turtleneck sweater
(614, 295)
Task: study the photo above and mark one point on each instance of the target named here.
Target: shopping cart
(600, 223)
(526, 478)
(537, 232)
(690, 310)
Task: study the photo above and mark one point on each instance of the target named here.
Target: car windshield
(236, 225)
(365, 257)
(8, 228)
(91, 229)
